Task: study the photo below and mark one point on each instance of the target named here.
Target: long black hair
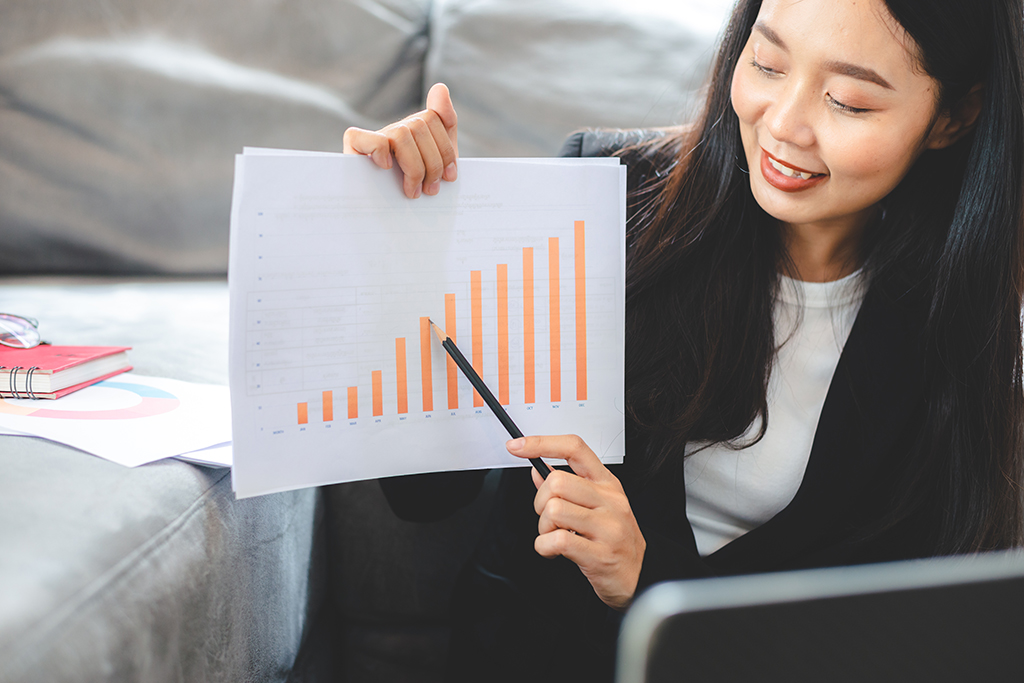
(704, 257)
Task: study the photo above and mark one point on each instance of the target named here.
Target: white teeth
(787, 171)
(784, 170)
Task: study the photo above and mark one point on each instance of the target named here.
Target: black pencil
(488, 397)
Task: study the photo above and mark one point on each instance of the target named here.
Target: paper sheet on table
(213, 456)
(332, 271)
(129, 419)
(218, 455)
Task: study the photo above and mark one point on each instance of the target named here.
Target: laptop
(945, 619)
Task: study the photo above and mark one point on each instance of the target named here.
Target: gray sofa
(155, 573)
(118, 126)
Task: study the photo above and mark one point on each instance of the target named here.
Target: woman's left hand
(586, 517)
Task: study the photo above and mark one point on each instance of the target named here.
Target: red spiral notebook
(53, 371)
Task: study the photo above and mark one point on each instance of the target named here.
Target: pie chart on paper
(107, 400)
(129, 419)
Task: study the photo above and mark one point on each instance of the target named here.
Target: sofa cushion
(119, 120)
(154, 573)
(525, 74)
(147, 574)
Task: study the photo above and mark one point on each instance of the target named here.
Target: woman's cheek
(878, 161)
(741, 96)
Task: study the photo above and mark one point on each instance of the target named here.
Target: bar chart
(338, 292)
(287, 328)
(452, 378)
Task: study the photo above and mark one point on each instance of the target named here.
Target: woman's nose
(788, 115)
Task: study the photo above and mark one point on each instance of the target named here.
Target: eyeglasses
(19, 332)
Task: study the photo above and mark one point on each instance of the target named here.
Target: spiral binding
(14, 387)
(28, 381)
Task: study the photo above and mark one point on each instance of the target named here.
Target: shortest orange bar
(353, 403)
(303, 414)
(378, 394)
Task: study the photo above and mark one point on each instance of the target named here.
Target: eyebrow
(834, 66)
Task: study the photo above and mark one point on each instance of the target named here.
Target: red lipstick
(781, 181)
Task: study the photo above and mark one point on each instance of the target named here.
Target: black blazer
(519, 617)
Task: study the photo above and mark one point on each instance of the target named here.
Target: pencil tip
(437, 330)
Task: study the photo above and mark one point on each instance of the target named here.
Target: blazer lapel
(874, 391)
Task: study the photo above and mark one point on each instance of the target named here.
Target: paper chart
(334, 273)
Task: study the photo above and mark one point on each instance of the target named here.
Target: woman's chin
(782, 206)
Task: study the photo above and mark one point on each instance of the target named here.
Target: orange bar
(400, 380)
(303, 414)
(378, 394)
(453, 369)
(328, 406)
(528, 358)
(503, 334)
(581, 314)
(353, 403)
(553, 317)
(428, 384)
(476, 309)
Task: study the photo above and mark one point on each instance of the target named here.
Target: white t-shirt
(728, 491)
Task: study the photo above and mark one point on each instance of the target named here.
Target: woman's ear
(952, 125)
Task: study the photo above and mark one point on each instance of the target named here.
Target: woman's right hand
(425, 144)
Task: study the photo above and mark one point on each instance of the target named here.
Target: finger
(439, 100)
(430, 153)
(570, 448)
(538, 480)
(569, 487)
(444, 145)
(561, 542)
(408, 156)
(371, 143)
(561, 514)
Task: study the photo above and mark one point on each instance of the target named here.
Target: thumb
(439, 101)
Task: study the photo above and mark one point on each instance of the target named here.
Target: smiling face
(833, 110)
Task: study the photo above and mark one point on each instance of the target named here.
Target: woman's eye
(845, 107)
(767, 71)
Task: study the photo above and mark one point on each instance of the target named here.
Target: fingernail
(416, 193)
(451, 172)
(433, 188)
(515, 444)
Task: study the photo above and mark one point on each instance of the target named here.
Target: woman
(824, 282)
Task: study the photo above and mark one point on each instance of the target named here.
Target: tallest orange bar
(553, 318)
(579, 255)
